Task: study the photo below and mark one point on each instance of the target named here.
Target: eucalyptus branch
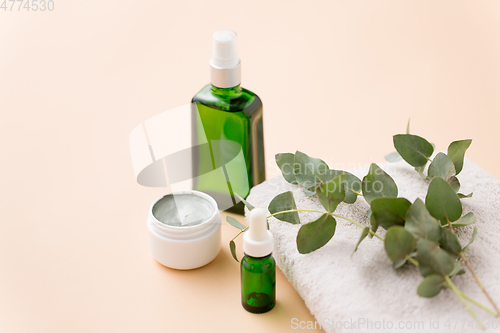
(473, 272)
(416, 227)
(473, 301)
(357, 224)
(239, 233)
(296, 210)
(462, 299)
(479, 283)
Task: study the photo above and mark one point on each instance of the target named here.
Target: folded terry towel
(363, 293)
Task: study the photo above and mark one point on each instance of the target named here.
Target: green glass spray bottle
(258, 269)
(227, 129)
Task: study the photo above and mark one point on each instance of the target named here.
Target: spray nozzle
(224, 51)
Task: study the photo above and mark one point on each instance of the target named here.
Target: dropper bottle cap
(257, 240)
(225, 68)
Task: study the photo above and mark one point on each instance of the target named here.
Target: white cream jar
(184, 229)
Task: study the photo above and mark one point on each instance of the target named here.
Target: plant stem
(479, 282)
(470, 299)
(242, 231)
(473, 301)
(296, 210)
(323, 212)
(462, 299)
(413, 261)
(462, 255)
(358, 224)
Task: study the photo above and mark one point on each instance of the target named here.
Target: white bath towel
(363, 293)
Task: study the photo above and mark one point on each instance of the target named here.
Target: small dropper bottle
(258, 269)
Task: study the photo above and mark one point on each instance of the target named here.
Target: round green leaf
(442, 167)
(432, 259)
(373, 222)
(309, 191)
(364, 233)
(442, 201)
(449, 242)
(454, 183)
(310, 171)
(465, 220)
(316, 234)
(456, 152)
(352, 184)
(234, 222)
(393, 157)
(283, 202)
(421, 223)
(413, 149)
(377, 183)
(232, 247)
(431, 285)
(332, 193)
(389, 211)
(247, 204)
(474, 234)
(463, 196)
(285, 162)
(399, 243)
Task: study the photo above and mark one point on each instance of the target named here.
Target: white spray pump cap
(257, 240)
(225, 63)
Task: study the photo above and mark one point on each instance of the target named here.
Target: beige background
(338, 79)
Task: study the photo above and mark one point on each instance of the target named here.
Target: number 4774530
(27, 5)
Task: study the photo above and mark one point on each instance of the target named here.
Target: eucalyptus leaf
(442, 201)
(420, 171)
(247, 204)
(456, 152)
(364, 233)
(310, 172)
(232, 246)
(413, 149)
(393, 157)
(373, 222)
(316, 234)
(398, 264)
(332, 193)
(421, 223)
(465, 220)
(234, 222)
(285, 162)
(377, 183)
(463, 196)
(457, 269)
(284, 202)
(390, 211)
(474, 234)
(449, 242)
(432, 259)
(442, 167)
(352, 185)
(309, 192)
(431, 285)
(399, 243)
(454, 183)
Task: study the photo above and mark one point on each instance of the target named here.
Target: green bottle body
(222, 116)
(258, 283)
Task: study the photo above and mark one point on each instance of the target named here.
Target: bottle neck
(225, 77)
(227, 92)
